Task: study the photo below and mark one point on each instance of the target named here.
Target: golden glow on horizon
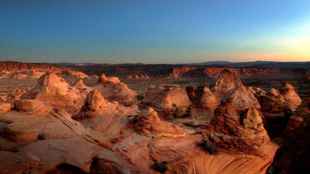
(292, 43)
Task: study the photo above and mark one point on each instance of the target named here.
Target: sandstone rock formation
(294, 155)
(226, 83)
(178, 72)
(139, 76)
(115, 90)
(277, 101)
(97, 105)
(291, 97)
(237, 124)
(5, 107)
(150, 123)
(57, 93)
(208, 100)
(59, 127)
(171, 100)
(31, 106)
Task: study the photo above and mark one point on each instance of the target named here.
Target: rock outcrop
(277, 101)
(226, 83)
(238, 123)
(63, 125)
(138, 76)
(171, 100)
(54, 91)
(148, 122)
(292, 99)
(114, 90)
(294, 155)
(178, 72)
(5, 106)
(209, 101)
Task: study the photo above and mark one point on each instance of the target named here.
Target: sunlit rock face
(31, 106)
(115, 90)
(209, 101)
(277, 101)
(226, 82)
(237, 124)
(80, 85)
(149, 123)
(57, 93)
(236, 130)
(171, 100)
(291, 97)
(139, 76)
(59, 127)
(5, 107)
(178, 72)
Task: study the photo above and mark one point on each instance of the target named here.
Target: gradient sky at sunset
(154, 31)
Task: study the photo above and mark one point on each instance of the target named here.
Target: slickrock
(25, 128)
(215, 72)
(114, 90)
(97, 105)
(62, 127)
(96, 102)
(54, 91)
(226, 83)
(291, 97)
(149, 123)
(294, 155)
(76, 74)
(208, 100)
(80, 85)
(178, 72)
(272, 101)
(171, 100)
(139, 76)
(110, 162)
(224, 163)
(5, 107)
(230, 88)
(52, 153)
(105, 79)
(12, 163)
(235, 130)
(237, 124)
(30, 106)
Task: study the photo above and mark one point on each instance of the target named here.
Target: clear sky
(154, 31)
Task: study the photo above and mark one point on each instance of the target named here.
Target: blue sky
(149, 31)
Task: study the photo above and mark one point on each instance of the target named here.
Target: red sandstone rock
(115, 90)
(57, 93)
(291, 97)
(173, 100)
